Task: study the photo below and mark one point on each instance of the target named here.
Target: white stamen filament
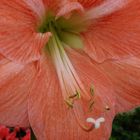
(69, 80)
(71, 86)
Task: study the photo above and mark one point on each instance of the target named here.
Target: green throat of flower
(66, 33)
(67, 30)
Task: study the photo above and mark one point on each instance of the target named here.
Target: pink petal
(14, 88)
(18, 39)
(52, 5)
(68, 8)
(115, 36)
(37, 6)
(125, 76)
(107, 7)
(62, 7)
(49, 116)
(90, 3)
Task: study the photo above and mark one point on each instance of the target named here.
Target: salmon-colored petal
(14, 88)
(68, 8)
(17, 13)
(105, 8)
(49, 116)
(115, 36)
(125, 76)
(8, 70)
(52, 5)
(37, 6)
(90, 3)
(62, 7)
(23, 47)
(3, 60)
(18, 38)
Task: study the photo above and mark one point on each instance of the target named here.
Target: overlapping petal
(68, 8)
(105, 8)
(115, 36)
(15, 82)
(125, 76)
(37, 6)
(52, 5)
(19, 40)
(63, 8)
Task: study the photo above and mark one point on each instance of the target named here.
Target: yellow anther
(92, 90)
(107, 107)
(69, 103)
(73, 96)
(91, 105)
(78, 94)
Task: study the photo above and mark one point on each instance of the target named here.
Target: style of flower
(67, 67)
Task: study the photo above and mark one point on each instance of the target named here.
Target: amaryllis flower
(68, 66)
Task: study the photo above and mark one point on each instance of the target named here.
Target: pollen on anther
(69, 103)
(76, 95)
(92, 90)
(91, 105)
(107, 107)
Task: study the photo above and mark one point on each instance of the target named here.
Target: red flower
(27, 136)
(12, 136)
(4, 131)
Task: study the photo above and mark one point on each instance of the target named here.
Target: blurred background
(126, 126)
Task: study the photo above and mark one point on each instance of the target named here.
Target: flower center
(67, 30)
(66, 33)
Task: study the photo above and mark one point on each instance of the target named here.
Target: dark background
(126, 126)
